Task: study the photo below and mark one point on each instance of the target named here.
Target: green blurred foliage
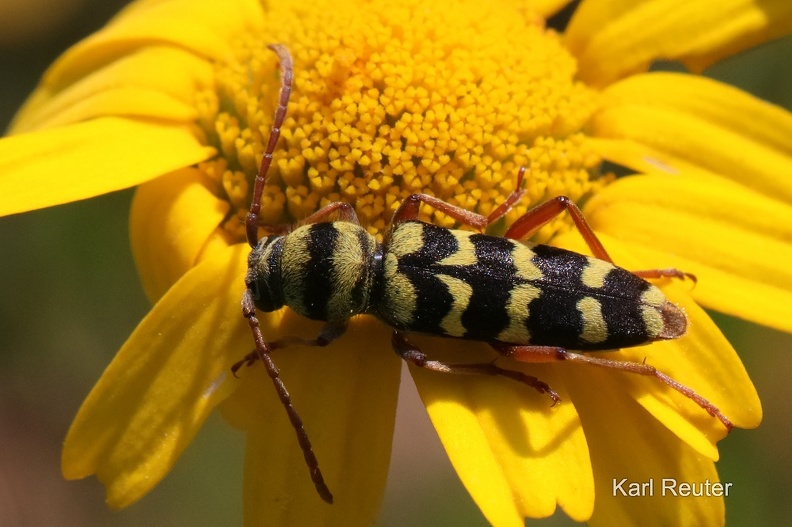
(69, 296)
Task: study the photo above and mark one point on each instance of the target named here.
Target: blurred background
(69, 297)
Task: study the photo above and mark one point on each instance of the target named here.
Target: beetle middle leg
(411, 354)
(555, 354)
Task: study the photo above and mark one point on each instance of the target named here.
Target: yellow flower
(390, 99)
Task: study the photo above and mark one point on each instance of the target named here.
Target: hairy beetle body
(457, 283)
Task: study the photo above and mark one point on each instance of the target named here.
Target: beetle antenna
(286, 76)
(263, 352)
(248, 305)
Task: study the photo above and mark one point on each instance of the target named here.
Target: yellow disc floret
(444, 98)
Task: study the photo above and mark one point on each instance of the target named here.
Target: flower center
(391, 100)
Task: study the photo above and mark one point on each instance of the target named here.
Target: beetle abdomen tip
(674, 321)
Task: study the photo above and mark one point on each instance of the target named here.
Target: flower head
(389, 100)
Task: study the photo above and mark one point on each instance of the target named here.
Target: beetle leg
(555, 354)
(343, 211)
(275, 229)
(412, 355)
(408, 210)
(535, 218)
(531, 221)
(329, 333)
(335, 211)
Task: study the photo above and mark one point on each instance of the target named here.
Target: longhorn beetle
(531, 303)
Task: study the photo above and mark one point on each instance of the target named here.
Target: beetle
(530, 302)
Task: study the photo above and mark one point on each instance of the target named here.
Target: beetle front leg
(337, 210)
(343, 211)
(329, 333)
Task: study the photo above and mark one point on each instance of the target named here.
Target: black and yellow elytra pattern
(479, 287)
(454, 283)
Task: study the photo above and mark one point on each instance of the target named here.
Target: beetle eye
(253, 287)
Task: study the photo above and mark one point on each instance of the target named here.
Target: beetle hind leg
(412, 355)
(555, 354)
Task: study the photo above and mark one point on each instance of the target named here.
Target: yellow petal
(516, 455)
(715, 102)
(83, 160)
(702, 359)
(737, 242)
(616, 38)
(346, 395)
(172, 371)
(157, 82)
(195, 25)
(645, 159)
(626, 442)
(172, 215)
(700, 122)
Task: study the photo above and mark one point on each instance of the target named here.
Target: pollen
(390, 100)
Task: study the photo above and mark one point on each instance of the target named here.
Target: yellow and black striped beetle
(530, 302)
